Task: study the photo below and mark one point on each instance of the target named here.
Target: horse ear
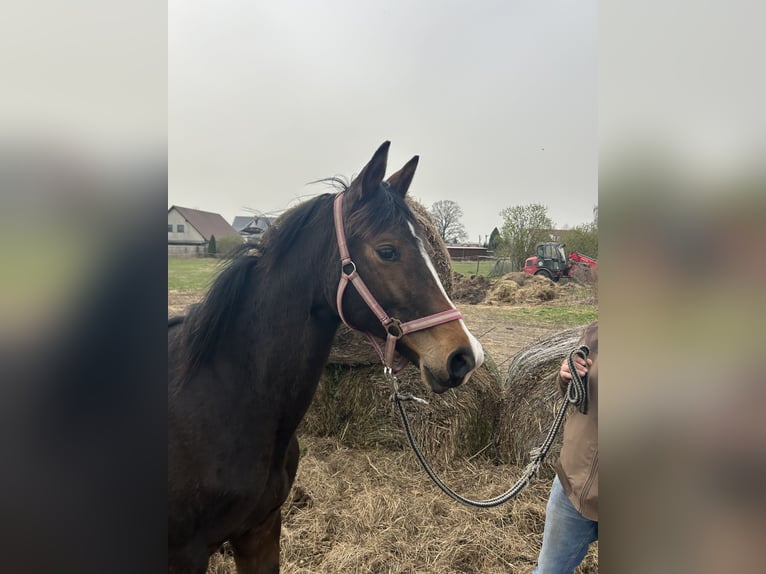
(401, 180)
(372, 174)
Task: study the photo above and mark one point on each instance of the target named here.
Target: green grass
(564, 315)
(469, 267)
(193, 274)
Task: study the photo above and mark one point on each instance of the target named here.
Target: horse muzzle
(439, 369)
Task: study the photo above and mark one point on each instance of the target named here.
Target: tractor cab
(550, 261)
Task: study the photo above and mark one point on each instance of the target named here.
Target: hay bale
(531, 397)
(522, 288)
(353, 405)
(352, 348)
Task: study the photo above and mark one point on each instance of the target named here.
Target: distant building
(468, 252)
(189, 230)
(252, 227)
(557, 234)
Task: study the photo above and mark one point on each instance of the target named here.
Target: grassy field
(469, 267)
(191, 275)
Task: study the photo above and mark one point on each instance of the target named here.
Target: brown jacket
(577, 467)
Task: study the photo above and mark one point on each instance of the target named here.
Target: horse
(244, 364)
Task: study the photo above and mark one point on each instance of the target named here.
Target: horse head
(384, 241)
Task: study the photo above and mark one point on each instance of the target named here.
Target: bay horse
(244, 364)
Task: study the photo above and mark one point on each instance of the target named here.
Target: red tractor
(551, 261)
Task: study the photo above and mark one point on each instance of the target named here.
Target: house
(557, 234)
(251, 227)
(189, 230)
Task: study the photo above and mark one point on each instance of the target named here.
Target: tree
(228, 243)
(446, 215)
(523, 227)
(494, 240)
(211, 247)
(582, 238)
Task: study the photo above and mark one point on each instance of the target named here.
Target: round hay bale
(354, 405)
(352, 348)
(531, 397)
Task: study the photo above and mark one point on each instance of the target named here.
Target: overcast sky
(498, 98)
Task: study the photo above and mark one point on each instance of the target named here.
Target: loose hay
(472, 290)
(376, 511)
(531, 397)
(515, 288)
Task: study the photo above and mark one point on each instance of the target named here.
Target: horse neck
(290, 322)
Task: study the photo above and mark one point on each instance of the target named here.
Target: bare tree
(446, 215)
(523, 227)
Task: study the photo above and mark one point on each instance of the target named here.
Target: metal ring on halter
(351, 265)
(394, 329)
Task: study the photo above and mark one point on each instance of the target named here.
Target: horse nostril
(460, 363)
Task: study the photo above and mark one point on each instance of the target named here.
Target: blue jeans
(567, 535)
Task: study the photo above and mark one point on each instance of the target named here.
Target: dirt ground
(375, 511)
(503, 337)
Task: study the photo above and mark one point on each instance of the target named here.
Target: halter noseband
(395, 329)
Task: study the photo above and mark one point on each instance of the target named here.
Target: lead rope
(577, 395)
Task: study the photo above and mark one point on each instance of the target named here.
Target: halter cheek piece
(395, 329)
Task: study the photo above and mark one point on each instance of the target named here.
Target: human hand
(581, 366)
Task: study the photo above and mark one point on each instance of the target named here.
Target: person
(571, 519)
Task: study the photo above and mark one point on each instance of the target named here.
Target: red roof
(206, 223)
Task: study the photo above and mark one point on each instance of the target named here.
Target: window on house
(180, 228)
(170, 228)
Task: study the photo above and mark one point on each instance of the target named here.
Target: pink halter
(394, 327)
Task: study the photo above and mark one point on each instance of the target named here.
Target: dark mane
(209, 321)
(309, 217)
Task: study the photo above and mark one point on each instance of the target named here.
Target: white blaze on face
(478, 352)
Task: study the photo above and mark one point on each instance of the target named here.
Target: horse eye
(388, 253)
